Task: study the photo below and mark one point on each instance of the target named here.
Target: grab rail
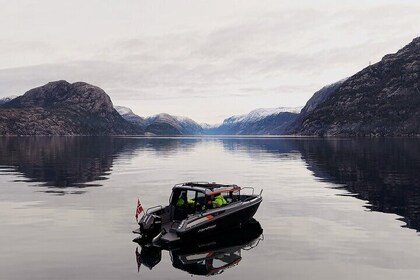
(254, 244)
(249, 188)
(158, 206)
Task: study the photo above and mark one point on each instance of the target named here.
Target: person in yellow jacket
(219, 201)
(183, 198)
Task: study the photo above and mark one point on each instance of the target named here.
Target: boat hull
(223, 221)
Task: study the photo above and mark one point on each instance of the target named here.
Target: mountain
(258, 122)
(128, 115)
(165, 124)
(161, 124)
(61, 108)
(381, 100)
(318, 98)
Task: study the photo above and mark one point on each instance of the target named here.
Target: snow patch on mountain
(123, 110)
(208, 126)
(164, 116)
(259, 114)
(7, 99)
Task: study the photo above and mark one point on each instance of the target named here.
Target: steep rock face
(165, 124)
(320, 96)
(61, 108)
(381, 100)
(317, 99)
(257, 122)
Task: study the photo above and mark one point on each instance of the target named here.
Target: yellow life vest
(181, 201)
(220, 200)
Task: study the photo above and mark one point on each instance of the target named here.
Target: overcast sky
(203, 59)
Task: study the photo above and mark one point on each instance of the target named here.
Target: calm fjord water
(332, 209)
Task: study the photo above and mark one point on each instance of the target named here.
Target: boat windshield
(190, 200)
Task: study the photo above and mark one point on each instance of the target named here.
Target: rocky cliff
(381, 100)
(61, 108)
(317, 99)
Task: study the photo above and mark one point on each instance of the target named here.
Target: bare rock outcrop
(61, 108)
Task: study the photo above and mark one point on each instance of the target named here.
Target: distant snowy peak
(183, 119)
(123, 110)
(129, 115)
(265, 112)
(165, 124)
(208, 126)
(158, 117)
(164, 116)
(7, 99)
(266, 121)
(259, 114)
(161, 124)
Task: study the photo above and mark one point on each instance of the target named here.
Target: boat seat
(180, 213)
(174, 226)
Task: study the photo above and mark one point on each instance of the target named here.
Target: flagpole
(139, 209)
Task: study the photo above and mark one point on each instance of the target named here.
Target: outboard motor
(149, 256)
(150, 225)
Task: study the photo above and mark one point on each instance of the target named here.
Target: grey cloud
(254, 47)
(33, 46)
(288, 51)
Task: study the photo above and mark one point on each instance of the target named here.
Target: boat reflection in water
(209, 256)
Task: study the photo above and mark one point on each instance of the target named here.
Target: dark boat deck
(170, 235)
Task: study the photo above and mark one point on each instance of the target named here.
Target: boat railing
(251, 188)
(189, 183)
(253, 191)
(254, 243)
(251, 196)
(154, 207)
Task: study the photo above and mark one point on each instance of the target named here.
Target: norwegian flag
(139, 209)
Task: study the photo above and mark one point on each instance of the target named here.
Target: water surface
(332, 209)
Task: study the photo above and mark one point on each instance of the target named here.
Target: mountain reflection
(74, 162)
(385, 172)
(59, 161)
(208, 257)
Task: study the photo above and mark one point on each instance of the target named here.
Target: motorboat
(197, 210)
(211, 255)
